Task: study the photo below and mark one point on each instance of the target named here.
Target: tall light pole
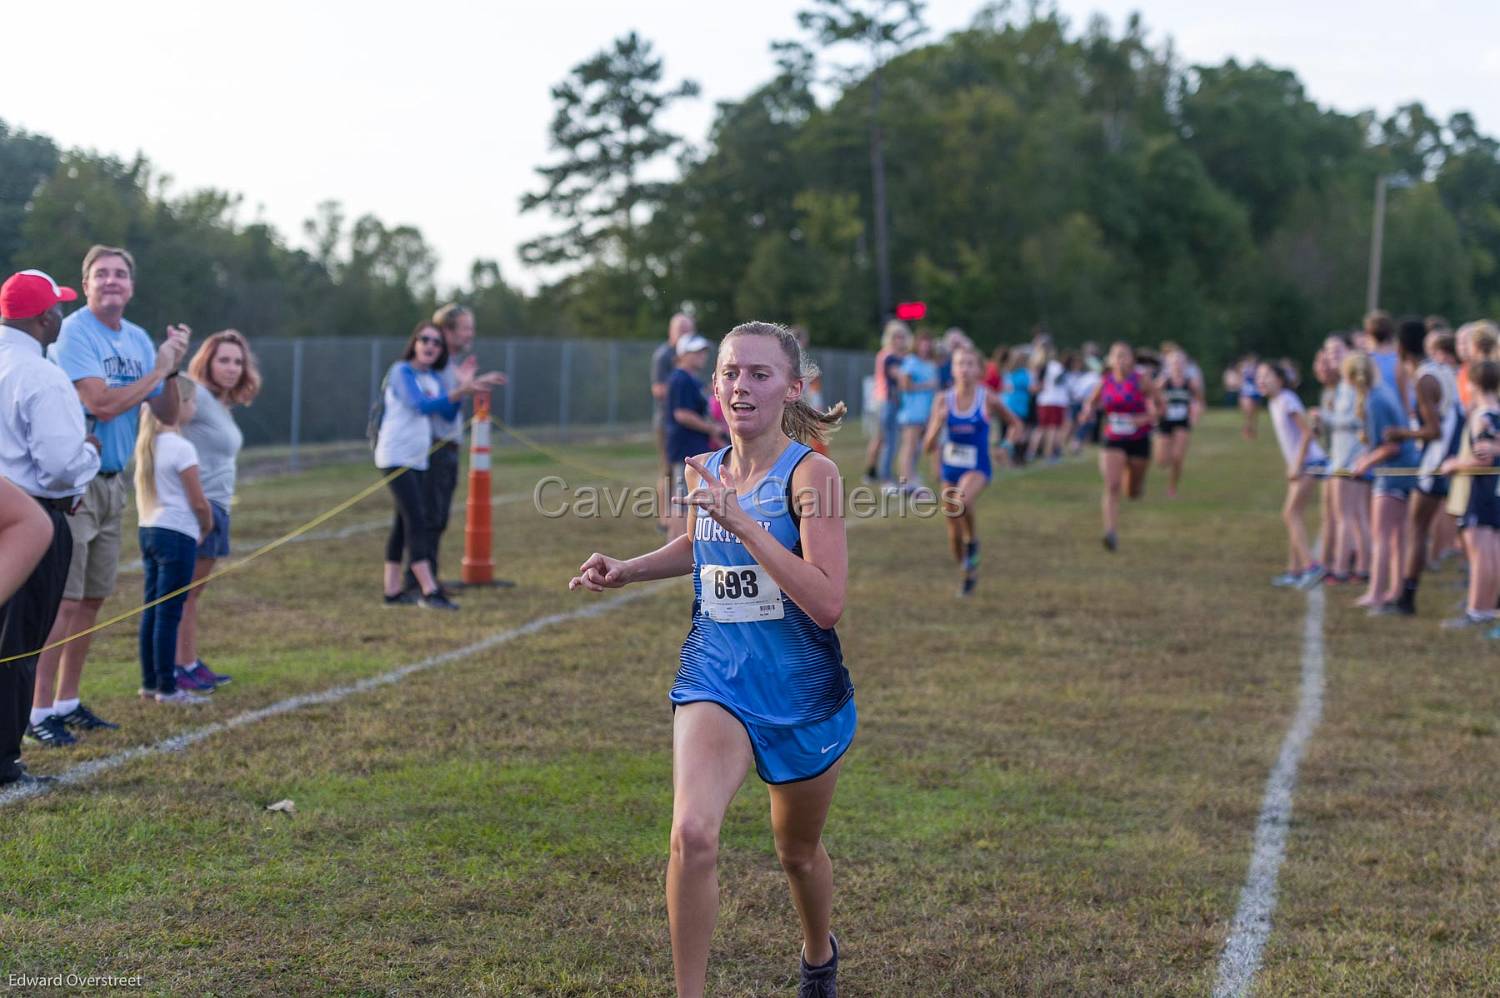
(1377, 234)
(1377, 246)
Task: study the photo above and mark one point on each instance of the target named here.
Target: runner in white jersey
(762, 680)
(1434, 426)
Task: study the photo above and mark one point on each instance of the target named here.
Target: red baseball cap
(30, 293)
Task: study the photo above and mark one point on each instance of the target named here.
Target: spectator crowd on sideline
(86, 396)
(1404, 446)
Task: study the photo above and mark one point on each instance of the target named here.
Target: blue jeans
(168, 557)
(890, 437)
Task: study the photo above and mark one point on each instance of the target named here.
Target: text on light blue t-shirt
(87, 348)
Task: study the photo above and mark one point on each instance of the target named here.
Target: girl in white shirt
(174, 514)
(1305, 461)
(1052, 401)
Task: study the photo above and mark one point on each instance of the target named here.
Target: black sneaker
(820, 982)
(22, 778)
(404, 598)
(82, 717)
(1111, 542)
(51, 732)
(437, 600)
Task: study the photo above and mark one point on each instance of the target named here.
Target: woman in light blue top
(412, 394)
(919, 383)
(226, 370)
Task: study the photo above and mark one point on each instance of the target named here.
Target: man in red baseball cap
(31, 293)
(43, 452)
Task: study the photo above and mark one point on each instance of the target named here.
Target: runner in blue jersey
(964, 411)
(762, 679)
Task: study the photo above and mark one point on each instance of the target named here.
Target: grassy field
(1053, 790)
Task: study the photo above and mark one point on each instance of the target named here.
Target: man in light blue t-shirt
(115, 367)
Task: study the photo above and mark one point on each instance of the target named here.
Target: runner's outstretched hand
(598, 573)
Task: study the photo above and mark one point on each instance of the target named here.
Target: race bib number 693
(739, 594)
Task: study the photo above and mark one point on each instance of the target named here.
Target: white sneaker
(182, 697)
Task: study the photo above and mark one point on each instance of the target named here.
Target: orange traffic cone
(478, 566)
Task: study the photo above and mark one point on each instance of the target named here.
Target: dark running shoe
(1111, 542)
(189, 680)
(203, 673)
(820, 982)
(437, 600)
(82, 717)
(22, 778)
(404, 598)
(51, 733)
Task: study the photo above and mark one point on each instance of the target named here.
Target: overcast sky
(435, 113)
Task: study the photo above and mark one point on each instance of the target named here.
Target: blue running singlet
(751, 649)
(967, 446)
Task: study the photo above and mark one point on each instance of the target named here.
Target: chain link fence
(320, 390)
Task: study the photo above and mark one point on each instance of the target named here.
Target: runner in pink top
(1129, 404)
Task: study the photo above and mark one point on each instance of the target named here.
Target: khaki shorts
(96, 526)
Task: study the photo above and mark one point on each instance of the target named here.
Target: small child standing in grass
(174, 514)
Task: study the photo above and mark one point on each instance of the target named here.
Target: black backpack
(377, 413)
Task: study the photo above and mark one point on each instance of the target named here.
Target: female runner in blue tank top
(762, 679)
(964, 412)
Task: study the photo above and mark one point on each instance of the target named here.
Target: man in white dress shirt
(45, 452)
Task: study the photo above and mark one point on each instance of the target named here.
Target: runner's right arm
(935, 422)
(601, 572)
(674, 558)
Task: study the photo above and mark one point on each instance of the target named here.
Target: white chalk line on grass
(85, 771)
(1252, 920)
(341, 533)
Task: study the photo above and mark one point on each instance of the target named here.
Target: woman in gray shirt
(225, 367)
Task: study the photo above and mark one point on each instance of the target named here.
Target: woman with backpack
(410, 396)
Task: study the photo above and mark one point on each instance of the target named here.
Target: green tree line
(1020, 171)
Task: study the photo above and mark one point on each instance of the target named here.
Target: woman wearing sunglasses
(412, 394)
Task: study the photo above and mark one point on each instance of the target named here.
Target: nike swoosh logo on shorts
(825, 751)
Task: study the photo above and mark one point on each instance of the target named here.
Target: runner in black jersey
(1182, 402)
